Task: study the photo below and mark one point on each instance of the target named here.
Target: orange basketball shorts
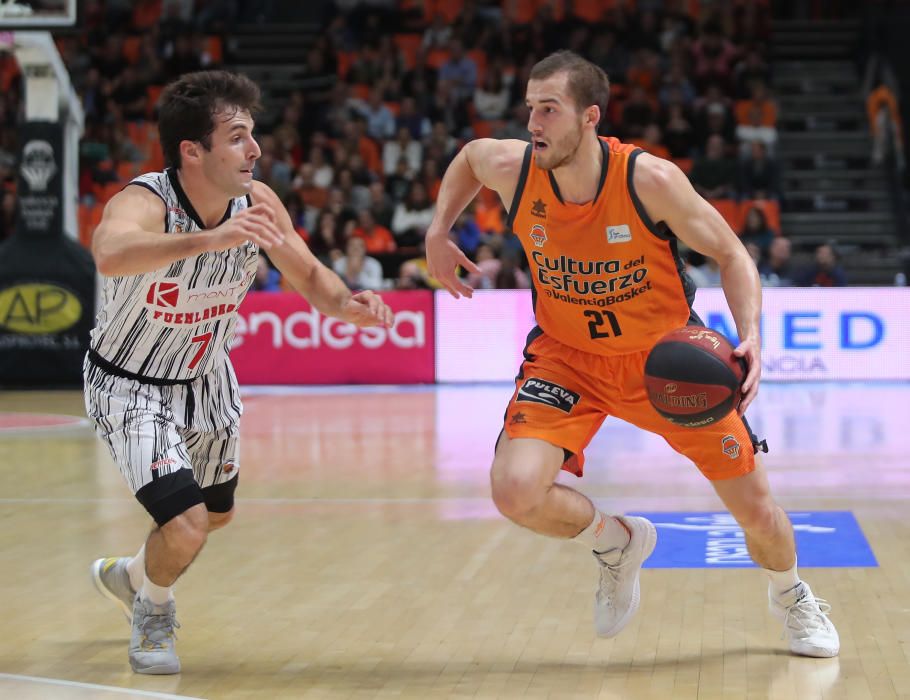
(562, 395)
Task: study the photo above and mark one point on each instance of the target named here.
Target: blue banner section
(715, 541)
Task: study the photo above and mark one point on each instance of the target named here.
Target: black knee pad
(170, 495)
(220, 497)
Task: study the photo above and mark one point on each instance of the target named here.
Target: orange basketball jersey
(606, 279)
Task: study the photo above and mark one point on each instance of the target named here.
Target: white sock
(159, 595)
(604, 533)
(135, 567)
(782, 582)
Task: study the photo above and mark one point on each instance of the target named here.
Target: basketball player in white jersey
(178, 251)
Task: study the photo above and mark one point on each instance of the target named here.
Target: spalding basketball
(693, 378)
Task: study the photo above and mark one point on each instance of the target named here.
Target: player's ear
(190, 150)
(592, 115)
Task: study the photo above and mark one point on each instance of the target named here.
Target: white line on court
(474, 564)
(641, 502)
(16, 430)
(93, 686)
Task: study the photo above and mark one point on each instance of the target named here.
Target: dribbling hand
(366, 309)
(750, 351)
(255, 224)
(443, 257)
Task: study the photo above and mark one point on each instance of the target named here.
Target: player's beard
(563, 151)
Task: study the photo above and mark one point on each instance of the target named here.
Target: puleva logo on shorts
(619, 234)
(730, 446)
(549, 394)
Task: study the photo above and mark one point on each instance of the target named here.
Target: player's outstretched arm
(130, 239)
(318, 284)
(668, 196)
(482, 163)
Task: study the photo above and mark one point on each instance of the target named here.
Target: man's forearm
(138, 252)
(742, 287)
(459, 186)
(326, 291)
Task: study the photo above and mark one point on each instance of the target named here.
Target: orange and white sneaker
(619, 592)
(113, 582)
(806, 624)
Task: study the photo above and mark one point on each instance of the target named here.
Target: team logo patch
(619, 234)
(518, 419)
(539, 208)
(549, 394)
(180, 219)
(730, 446)
(538, 235)
(163, 294)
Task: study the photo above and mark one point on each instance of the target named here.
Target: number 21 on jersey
(599, 320)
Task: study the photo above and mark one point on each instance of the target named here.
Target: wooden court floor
(366, 561)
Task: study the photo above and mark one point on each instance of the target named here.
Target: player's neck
(579, 179)
(209, 202)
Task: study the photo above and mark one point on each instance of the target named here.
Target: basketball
(693, 378)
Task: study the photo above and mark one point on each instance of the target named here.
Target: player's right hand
(255, 224)
(443, 258)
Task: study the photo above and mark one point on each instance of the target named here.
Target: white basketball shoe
(618, 594)
(806, 624)
(113, 582)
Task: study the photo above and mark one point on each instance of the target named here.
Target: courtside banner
(281, 339)
(850, 333)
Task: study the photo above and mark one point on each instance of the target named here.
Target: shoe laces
(808, 615)
(158, 629)
(609, 577)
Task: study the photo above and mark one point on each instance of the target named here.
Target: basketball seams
(685, 350)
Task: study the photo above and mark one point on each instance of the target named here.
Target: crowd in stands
(358, 160)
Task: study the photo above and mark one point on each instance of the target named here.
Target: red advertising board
(281, 339)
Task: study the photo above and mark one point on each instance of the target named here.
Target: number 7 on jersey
(203, 339)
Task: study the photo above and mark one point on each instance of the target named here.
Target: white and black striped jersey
(175, 323)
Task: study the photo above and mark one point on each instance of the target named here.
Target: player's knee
(219, 520)
(188, 531)
(760, 518)
(516, 492)
(170, 496)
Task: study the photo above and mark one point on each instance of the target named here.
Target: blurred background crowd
(368, 102)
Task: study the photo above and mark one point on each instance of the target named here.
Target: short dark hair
(189, 104)
(588, 84)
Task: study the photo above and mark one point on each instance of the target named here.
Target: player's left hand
(368, 309)
(750, 351)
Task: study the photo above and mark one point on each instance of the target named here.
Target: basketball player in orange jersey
(599, 221)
